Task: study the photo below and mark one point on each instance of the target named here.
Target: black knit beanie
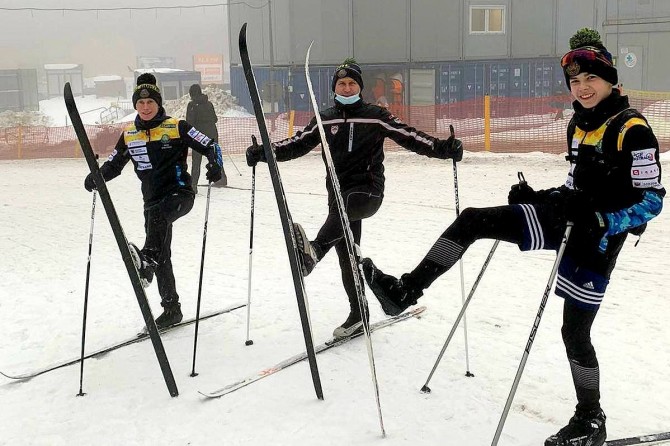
(348, 68)
(146, 88)
(588, 55)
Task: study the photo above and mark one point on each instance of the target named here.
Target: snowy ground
(44, 226)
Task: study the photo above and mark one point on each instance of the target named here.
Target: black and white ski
(285, 215)
(336, 342)
(121, 240)
(117, 345)
(661, 437)
(354, 260)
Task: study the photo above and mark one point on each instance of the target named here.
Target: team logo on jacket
(165, 139)
(334, 129)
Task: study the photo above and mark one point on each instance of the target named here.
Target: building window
(487, 19)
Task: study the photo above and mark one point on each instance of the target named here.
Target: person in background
(355, 132)
(157, 145)
(200, 114)
(613, 188)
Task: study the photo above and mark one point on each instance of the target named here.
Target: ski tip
(243, 34)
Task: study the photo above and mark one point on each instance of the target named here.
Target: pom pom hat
(146, 88)
(348, 68)
(588, 55)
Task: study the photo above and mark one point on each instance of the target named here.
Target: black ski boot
(144, 263)
(171, 315)
(353, 325)
(393, 294)
(308, 258)
(583, 429)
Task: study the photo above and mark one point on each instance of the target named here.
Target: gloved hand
(586, 219)
(214, 172)
(89, 184)
(451, 148)
(521, 193)
(255, 153)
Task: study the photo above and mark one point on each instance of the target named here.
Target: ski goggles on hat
(587, 53)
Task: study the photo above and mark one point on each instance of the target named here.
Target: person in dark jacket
(355, 132)
(613, 188)
(200, 114)
(158, 146)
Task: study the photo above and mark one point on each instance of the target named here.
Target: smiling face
(589, 89)
(147, 109)
(347, 87)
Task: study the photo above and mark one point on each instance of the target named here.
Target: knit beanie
(146, 88)
(348, 68)
(588, 55)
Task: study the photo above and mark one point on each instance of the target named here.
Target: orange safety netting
(498, 124)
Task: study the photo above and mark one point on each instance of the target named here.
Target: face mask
(347, 100)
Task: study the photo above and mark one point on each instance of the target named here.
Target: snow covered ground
(44, 227)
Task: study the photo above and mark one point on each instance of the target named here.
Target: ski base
(333, 342)
(661, 437)
(102, 351)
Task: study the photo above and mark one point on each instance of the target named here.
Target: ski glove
(451, 148)
(521, 193)
(255, 153)
(89, 184)
(214, 172)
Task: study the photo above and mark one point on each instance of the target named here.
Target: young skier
(158, 146)
(613, 188)
(355, 131)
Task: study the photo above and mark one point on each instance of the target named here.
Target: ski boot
(308, 257)
(144, 264)
(583, 429)
(393, 294)
(353, 325)
(171, 315)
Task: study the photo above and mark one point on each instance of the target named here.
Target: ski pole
(234, 165)
(251, 245)
(460, 264)
(202, 265)
(425, 388)
(88, 276)
(533, 332)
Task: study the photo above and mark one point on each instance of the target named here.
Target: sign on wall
(210, 67)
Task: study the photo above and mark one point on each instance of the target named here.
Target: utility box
(58, 74)
(18, 90)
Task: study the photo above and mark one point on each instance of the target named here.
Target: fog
(109, 42)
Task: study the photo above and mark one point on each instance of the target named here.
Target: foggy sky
(108, 42)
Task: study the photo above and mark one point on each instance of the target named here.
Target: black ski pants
(158, 221)
(360, 202)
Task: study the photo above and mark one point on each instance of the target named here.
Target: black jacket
(201, 115)
(355, 134)
(611, 162)
(158, 150)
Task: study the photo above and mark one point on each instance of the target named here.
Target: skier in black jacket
(613, 188)
(200, 114)
(355, 131)
(158, 146)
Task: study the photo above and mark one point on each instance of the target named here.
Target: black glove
(521, 193)
(451, 148)
(579, 209)
(89, 184)
(255, 153)
(214, 172)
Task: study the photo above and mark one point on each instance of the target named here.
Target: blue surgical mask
(347, 100)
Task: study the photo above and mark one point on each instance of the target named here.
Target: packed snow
(44, 234)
